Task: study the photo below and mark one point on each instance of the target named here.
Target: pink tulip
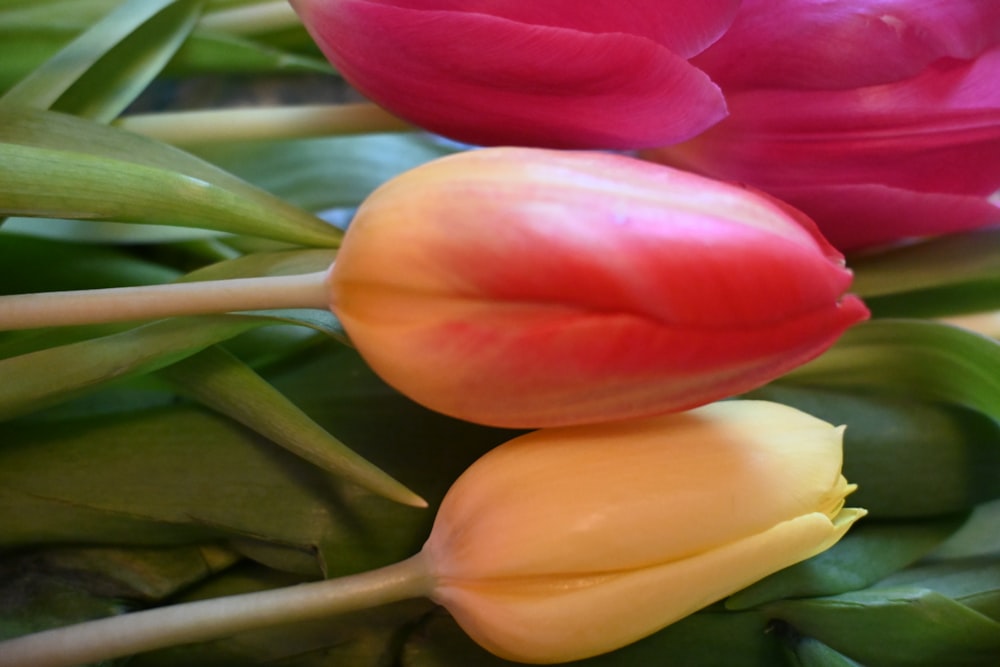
(556, 73)
(912, 157)
(526, 287)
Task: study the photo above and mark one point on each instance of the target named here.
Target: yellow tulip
(570, 542)
(561, 544)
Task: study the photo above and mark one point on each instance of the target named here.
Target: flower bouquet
(433, 333)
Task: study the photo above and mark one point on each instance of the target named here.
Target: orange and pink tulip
(527, 288)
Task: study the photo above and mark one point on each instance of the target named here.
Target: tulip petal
(936, 132)
(861, 216)
(823, 44)
(609, 289)
(767, 462)
(548, 620)
(482, 79)
(686, 29)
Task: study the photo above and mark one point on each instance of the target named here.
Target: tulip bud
(599, 74)
(526, 288)
(566, 543)
(878, 139)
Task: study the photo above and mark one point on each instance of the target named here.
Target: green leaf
(975, 582)
(955, 273)
(113, 82)
(911, 358)
(70, 266)
(34, 600)
(896, 627)
(909, 457)
(26, 47)
(135, 574)
(869, 552)
(44, 87)
(978, 537)
(211, 51)
(808, 652)
(54, 165)
(45, 377)
(220, 381)
(323, 173)
(180, 474)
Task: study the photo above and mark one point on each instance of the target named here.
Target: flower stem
(122, 304)
(283, 122)
(204, 620)
(252, 19)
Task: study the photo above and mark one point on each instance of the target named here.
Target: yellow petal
(557, 619)
(626, 495)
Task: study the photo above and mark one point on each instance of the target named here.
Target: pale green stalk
(258, 123)
(252, 19)
(216, 618)
(123, 304)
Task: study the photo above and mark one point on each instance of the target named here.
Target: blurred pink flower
(529, 287)
(558, 73)
(878, 136)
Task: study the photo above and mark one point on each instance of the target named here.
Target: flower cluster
(652, 214)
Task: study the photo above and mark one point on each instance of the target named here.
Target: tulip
(563, 543)
(599, 74)
(527, 288)
(877, 145)
(570, 542)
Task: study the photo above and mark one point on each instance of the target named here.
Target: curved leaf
(44, 377)
(44, 86)
(950, 274)
(868, 553)
(42, 182)
(903, 626)
(222, 382)
(911, 358)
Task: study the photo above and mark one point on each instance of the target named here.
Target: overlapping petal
(529, 73)
(869, 165)
(829, 45)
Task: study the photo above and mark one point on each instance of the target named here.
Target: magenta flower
(875, 148)
(562, 74)
(526, 287)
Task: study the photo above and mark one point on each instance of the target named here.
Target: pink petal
(824, 44)
(860, 216)
(486, 80)
(686, 27)
(937, 132)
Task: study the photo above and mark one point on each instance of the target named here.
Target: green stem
(256, 123)
(252, 19)
(204, 620)
(123, 304)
